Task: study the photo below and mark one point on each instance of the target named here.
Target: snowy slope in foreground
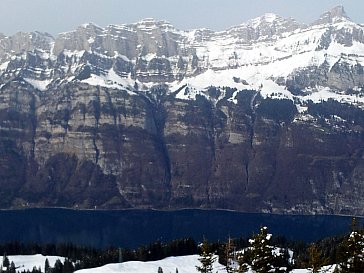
(184, 264)
(27, 262)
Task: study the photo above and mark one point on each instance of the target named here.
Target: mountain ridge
(153, 52)
(147, 116)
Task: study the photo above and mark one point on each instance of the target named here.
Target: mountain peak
(90, 25)
(148, 20)
(338, 11)
(269, 17)
(266, 26)
(151, 23)
(336, 14)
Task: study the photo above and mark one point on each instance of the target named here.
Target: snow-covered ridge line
(269, 54)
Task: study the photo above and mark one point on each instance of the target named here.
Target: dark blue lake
(132, 228)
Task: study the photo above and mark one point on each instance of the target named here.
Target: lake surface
(132, 228)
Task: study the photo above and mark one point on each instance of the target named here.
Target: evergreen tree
(206, 259)
(6, 262)
(58, 267)
(242, 265)
(263, 259)
(262, 252)
(354, 251)
(67, 266)
(35, 270)
(12, 268)
(316, 261)
(229, 256)
(46, 266)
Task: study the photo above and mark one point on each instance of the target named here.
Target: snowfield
(184, 264)
(28, 262)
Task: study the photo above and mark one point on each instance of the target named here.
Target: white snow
(111, 80)
(326, 269)
(184, 264)
(222, 56)
(91, 24)
(77, 53)
(225, 78)
(189, 93)
(40, 85)
(262, 63)
(150, 56)
(27, 262)
(324, 93)
(4, 66)
(268, 17)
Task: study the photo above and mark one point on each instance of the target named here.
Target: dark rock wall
(85, 146)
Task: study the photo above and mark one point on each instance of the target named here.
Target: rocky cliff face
(255, 118)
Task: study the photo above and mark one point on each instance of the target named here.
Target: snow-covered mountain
(146, 115)
(278, 56)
